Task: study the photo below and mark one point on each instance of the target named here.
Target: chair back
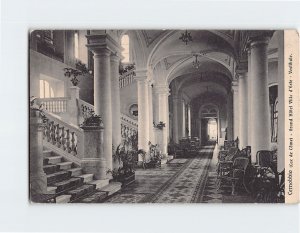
(240, 163)
(264, 158)
(232, 152)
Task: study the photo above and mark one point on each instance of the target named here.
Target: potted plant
(155, 156)
(125, 173)
(91, 120)
(126, 68)
(80, 69)
(159, 125)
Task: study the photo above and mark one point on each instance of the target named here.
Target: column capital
(101, 52)
(259, 38)
(114, 57)
(96, 44)
(162, 89)
(235, 86)
(141, 75)
(241, 74)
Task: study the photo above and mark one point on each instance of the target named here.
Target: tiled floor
(191, 180)
(180, 181)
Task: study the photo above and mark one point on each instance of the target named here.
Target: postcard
(163, 116)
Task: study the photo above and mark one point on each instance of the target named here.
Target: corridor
(180, 181)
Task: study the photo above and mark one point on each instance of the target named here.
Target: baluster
(73, 142)
(48, 136)
(68, 141)
(45, 130)
(63, 140)
(61, 106)
(55, 106)
(50, 106)
(52, 133)
(58, 136)
(65, 107)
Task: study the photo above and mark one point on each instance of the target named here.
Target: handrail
(126, 78)
(64, 136)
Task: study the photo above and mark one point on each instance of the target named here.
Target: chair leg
(233, 187)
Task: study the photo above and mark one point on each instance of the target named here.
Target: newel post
(38, 179)
(93, 160)
(73, 108)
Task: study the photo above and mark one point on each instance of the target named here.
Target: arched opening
(125, 46)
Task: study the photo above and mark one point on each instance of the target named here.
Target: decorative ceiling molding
(149, 38)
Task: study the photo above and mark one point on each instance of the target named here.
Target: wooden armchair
(233, 175)
(225, 160)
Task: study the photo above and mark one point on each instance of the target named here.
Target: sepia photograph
(157, 116)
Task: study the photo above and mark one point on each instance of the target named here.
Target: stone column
(175, 119)
(183, 120)
(143, 110)
(281, 95)
(102, 98)
(236, 107)
(230, 116)
(260, 117)
(94, 160)
(38, 179)
(162, 93)
(115, 100)
(150, 100)
(249, 90)
(243, 106)
(73, 109)
(189, 120)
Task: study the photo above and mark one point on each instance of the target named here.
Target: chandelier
(186, 37)
(196, 63)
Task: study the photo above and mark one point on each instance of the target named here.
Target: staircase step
(65, 165)
(51, 190)
(81, 191)
(76, 171)
(100, 183)
(51, 168)
(58, 176)
(164, 161)
(53, 159)
(87, 177)
(97, 197)
(63, 199)
(112, 188)
(47, 153)
(68, 184)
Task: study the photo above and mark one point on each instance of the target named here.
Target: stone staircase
(67, 183)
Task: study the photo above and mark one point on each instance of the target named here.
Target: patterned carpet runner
(181, 181)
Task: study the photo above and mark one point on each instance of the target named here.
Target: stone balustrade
(126, 78)
(129, 126)
(66, 137)
(54, 105)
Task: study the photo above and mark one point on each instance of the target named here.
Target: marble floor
(182, 180)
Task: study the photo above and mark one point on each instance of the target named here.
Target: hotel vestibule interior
(155, 115)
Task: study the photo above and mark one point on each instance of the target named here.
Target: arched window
(274, 121)
(125, 46)
(273, 98)
(46, 91)
(76, 43)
